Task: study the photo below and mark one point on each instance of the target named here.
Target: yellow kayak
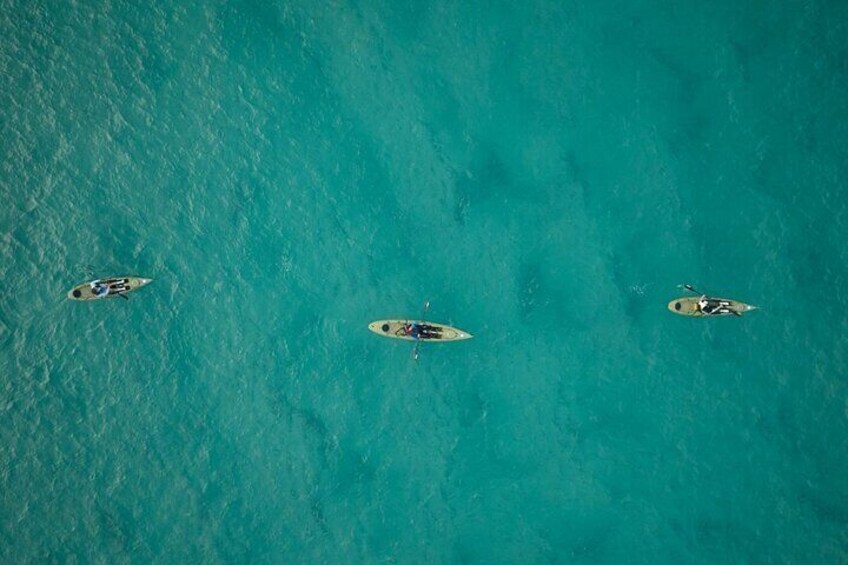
(107, 288)
(417, 330)
(688, 306)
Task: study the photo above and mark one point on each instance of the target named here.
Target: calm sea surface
(545, 173)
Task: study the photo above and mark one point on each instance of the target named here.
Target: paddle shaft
(418, 339)
(689, 287)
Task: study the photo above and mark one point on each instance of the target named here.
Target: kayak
(116, 286)
(431, 332)
(688, 306)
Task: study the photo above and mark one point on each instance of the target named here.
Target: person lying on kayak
(420, 331)
(118, 287)
(413, 330)
(705, 306)
(711, 307)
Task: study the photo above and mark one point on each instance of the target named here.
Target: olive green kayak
(425, 331)
(107, 288)
(688, 306)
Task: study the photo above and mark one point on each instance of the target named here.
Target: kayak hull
(688, 306)
(394, 329)
(84, 291)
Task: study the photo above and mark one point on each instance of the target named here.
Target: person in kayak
(709, 306)
(118, 287)
(420, 331)
(99, 289)
(413, 330)
(713, 307)
(706, 306)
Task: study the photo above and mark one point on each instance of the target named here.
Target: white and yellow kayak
(426, 331)
(107, 288)
(688, 306)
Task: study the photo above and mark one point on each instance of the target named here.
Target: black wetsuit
(424, 331)
(711, 307)
(716, 307)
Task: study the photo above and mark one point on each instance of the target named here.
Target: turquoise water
(545, 173)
